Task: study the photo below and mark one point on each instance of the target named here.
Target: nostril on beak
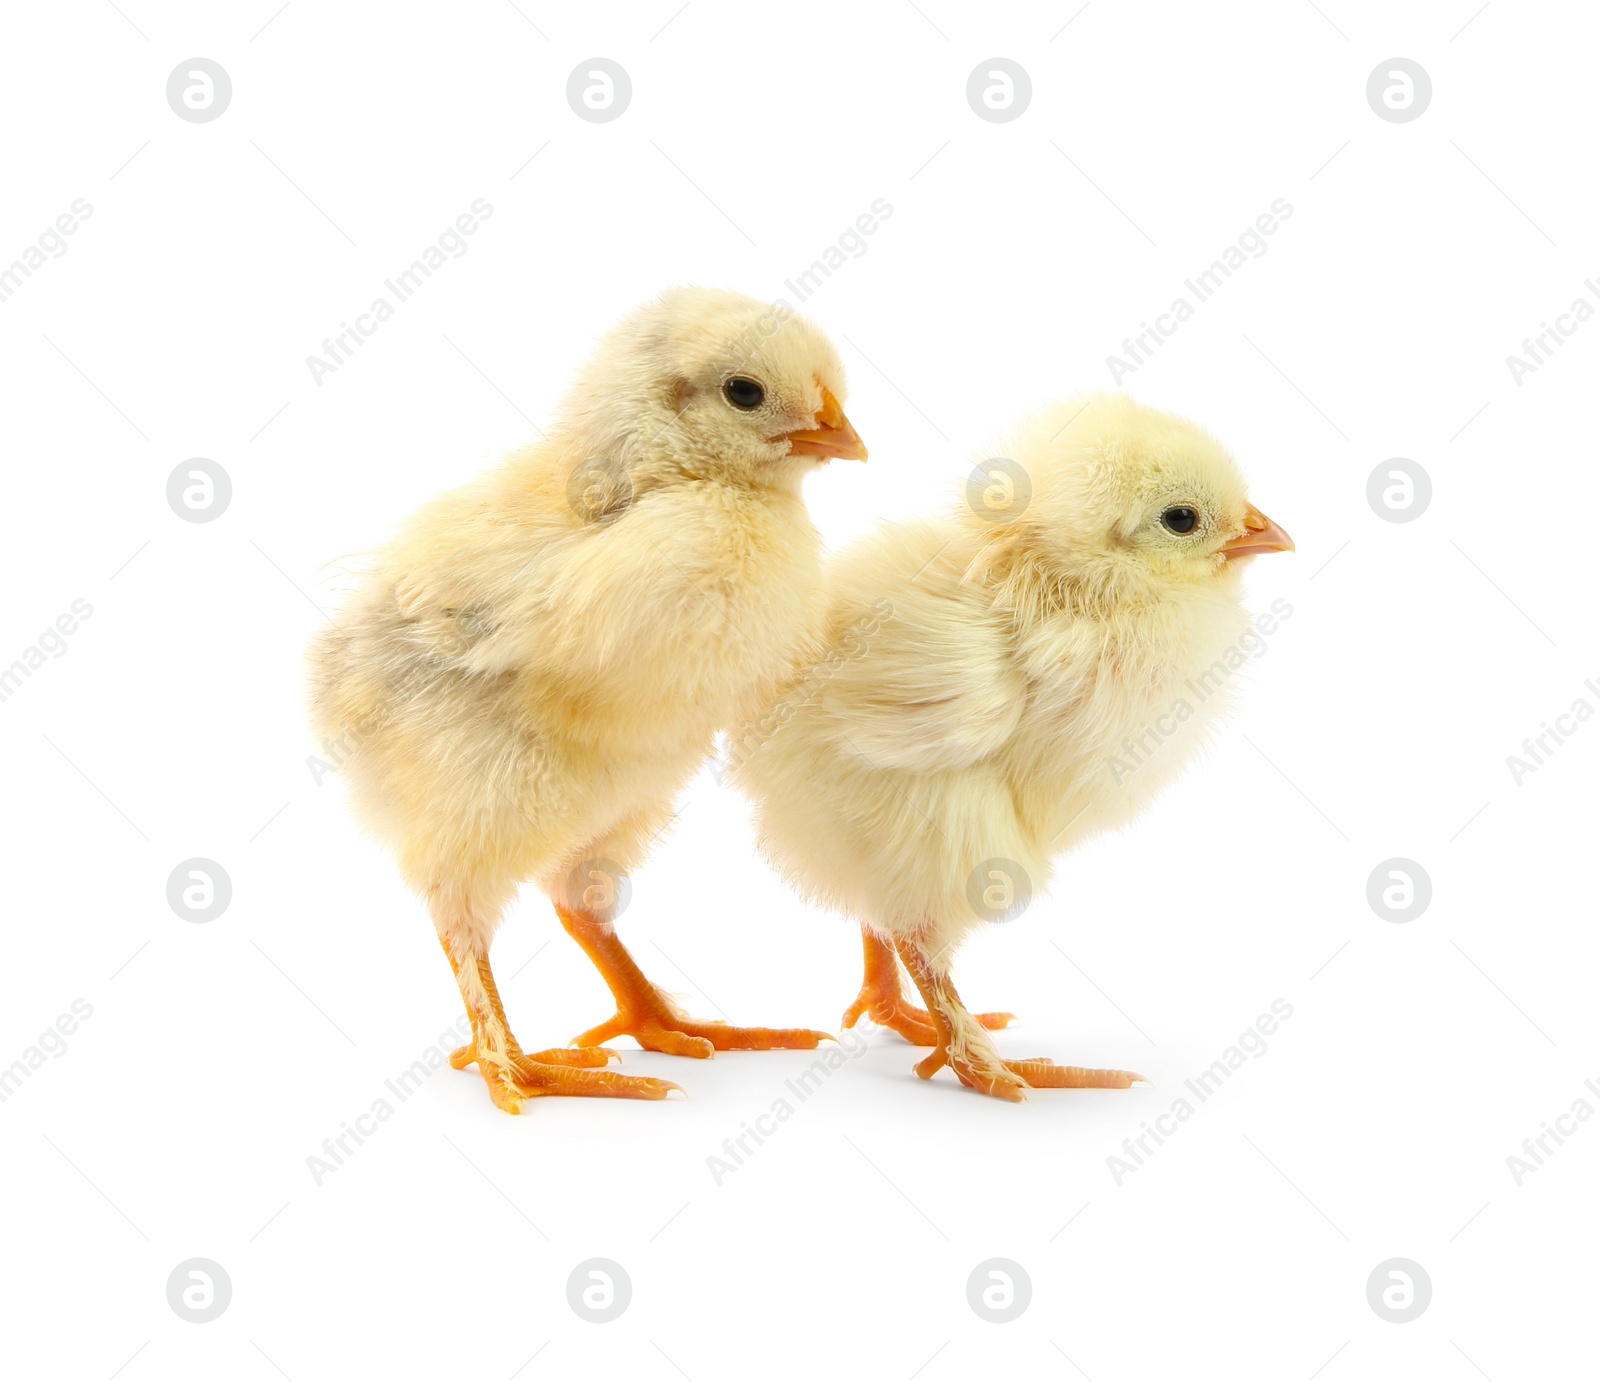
(833, 434)
(830, 414)
(1260, 535)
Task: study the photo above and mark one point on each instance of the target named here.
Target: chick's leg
(965, 1047)
(650, 1017)
(510, 1073)
(882, 999)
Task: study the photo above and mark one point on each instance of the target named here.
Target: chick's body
(539, 688)
(537, 665)
(1002, 687)
(966, 733)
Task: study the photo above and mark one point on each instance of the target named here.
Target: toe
(1046, 1074)
(906, 1024)
(670, 1042)
(594, 1084)
(1000, 1082)
(675, 1036)
(596, 1036)
(504, 1090)
(588, 1056)
(726, 1038)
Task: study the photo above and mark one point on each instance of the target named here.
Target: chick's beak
(1260, 535)
(832, 436)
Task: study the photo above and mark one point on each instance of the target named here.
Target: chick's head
(1127, 496)
(709, 384)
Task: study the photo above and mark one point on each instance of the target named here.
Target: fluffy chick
(539, 662)
(986, 672)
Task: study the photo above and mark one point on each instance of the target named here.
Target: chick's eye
(1180, 519)
(743, 393)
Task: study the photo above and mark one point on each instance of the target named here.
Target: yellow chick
(537, 665)
(988, 697)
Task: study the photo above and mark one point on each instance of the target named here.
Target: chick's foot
(651, 1018)
(510, 1073)
(657, 1026)
(587, 1056)
(515, 1076)
(883, 999)
(985, 1072)
(963, 1044)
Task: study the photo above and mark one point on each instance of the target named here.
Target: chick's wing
(926, 682)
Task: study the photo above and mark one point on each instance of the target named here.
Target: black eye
(1180, 520)
(743, 393)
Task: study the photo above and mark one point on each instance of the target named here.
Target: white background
(179, 1120)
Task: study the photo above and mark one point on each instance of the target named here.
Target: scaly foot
(985, 1072)
(511, 1074)
(657, 1025)
(563, 1071)
(650, 1018)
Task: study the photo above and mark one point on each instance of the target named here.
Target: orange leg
(650, 1017)
(964, 1045)
(882, 1000)
(510, 1073)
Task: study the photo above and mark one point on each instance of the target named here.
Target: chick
(988, 675)
(540, 661)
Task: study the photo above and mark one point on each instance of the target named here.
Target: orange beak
(832, 436)
(1260, 535)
